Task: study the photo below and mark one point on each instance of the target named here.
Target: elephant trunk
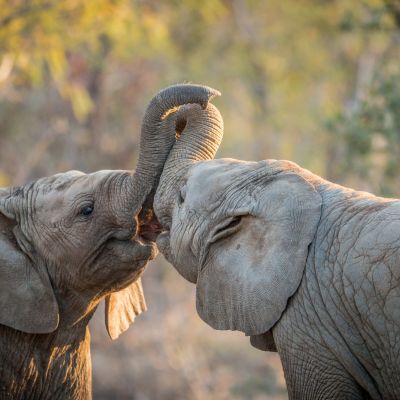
(158, 137)
(199, 133)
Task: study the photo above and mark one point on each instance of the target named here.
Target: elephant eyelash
(227, 229)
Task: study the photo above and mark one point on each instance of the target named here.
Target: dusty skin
(67, 242)
(63, 248)
(303, 266)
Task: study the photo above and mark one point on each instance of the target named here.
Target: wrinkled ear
(123, 307)
(249, 276)
(27, 301)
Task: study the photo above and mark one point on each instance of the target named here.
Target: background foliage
(317, 82)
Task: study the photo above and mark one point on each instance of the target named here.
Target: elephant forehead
(72, 183)
(216, 176)
(61, 180)
(58, 190)
(105, 174)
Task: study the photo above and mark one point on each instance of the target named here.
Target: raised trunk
(199, 136)
(158, 135)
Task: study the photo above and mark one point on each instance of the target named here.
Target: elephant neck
(46, 366)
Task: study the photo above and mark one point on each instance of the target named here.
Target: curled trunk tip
(180, 94)
(157, 138)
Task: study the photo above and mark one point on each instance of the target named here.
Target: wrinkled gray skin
(303, 266)
(67, 242)
(56, 265)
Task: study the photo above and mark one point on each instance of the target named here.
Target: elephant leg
(311, 376)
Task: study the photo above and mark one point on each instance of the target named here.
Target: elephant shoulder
(372, 267)
(380, 231)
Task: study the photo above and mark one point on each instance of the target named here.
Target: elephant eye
(228, 228)
(232, 223)
(182, 195)
(86, 210)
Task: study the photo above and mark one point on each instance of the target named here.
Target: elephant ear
(250, 275)
(123, 307)
(27, 301)
(264, 342)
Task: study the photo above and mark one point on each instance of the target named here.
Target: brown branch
(22, 12)
(393, 6)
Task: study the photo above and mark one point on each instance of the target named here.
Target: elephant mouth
(149, 227)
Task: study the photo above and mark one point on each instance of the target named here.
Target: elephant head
(69, 240)
(239, 230)
(66, 242)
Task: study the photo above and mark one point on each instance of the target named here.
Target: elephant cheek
(185, 265)
(190, 274)
(163, 244)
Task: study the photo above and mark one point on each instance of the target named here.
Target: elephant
(68, 241)
(302, 266)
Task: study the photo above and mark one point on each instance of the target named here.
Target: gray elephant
(303, 266)
(67, 242)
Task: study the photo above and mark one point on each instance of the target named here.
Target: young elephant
(66, 242)
(303, 266)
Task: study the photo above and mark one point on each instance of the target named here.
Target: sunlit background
(316, 82)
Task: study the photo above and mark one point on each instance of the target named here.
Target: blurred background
(313, 81)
